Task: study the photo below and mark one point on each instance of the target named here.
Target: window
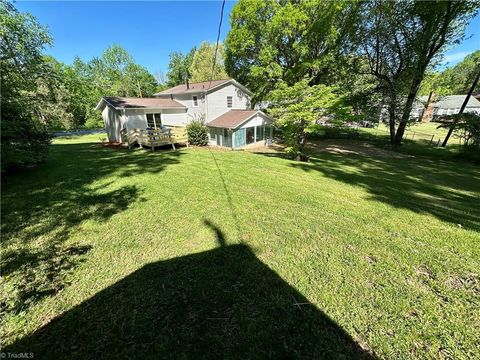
(229, 101)
(212, 134)
(195, 101)
(150, 121)
(158, 120)
(250, 135)
(259, 133)
(267, 132)
(154, 121)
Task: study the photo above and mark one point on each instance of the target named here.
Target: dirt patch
(354, 147)
(113, 145)
(262, 149)
(425, 272)
(469, 282)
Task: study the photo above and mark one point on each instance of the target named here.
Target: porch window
(212, 134)
(195, 101)
(267, 132)
(260, 130)
(229, 101)
(154, 121)
(250, 133)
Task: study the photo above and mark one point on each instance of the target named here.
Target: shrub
(197, 133)
(94, 123)
(24, 143)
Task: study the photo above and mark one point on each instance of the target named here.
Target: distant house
(224, 105)
(429, 107)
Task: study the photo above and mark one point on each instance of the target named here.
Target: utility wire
(216, 46)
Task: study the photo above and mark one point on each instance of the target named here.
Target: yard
(230, 254)
(421, 132)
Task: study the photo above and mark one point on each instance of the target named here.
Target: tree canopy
(23, 75)
(40, 93)
(454, 80)
(178, 67)
(401, 41)
(202, 68)
(272, 41)
(298, 107)
(197, 65)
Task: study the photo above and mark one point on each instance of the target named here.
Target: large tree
(401, 40)
(273, 41)
(116, 73)
(202, 67)
(178, 67)
(24, 141)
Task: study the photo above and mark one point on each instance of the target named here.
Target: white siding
(216, 101)
(111, 118)
(136, 119)
(174, 117)
(257, 120)
(187, 100)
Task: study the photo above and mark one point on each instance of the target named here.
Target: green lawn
(426, 133)
(201, 253)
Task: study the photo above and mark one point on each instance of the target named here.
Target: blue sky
(147, 30)
(151, 30)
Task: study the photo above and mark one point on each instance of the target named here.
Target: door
(219, 137)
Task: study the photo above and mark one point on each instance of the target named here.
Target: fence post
(431, 140)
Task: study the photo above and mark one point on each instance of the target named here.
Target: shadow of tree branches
(447, 190)
(43, 207)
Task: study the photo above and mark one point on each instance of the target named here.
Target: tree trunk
(391, 121)
(407, 109)
(464, 105)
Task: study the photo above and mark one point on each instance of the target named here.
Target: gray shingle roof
(233, 118)
(135, 103)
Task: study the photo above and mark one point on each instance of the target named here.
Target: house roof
(452, 101)
(234, 118)
(199, 87)
(139, 103)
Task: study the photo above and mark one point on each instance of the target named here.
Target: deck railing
(170, 135)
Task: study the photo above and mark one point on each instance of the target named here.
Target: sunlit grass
(388, 248)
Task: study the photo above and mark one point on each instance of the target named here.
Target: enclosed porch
(239, 128)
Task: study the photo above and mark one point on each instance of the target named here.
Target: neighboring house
(429, 107)
(222, 104)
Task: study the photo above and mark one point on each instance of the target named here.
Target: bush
(94, 123)
(197, 133)
(24, 143)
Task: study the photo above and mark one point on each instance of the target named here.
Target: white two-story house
(224, 105)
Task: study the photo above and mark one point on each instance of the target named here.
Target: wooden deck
(151, 138)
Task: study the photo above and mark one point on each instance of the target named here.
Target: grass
(230, 254)
(425, 133)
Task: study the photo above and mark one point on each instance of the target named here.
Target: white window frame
(155, 126)
(195, 100)
(229, 107)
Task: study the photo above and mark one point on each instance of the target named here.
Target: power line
(216, 46)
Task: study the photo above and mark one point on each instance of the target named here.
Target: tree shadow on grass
(219, 304)
(447, 190)
(43, 207)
